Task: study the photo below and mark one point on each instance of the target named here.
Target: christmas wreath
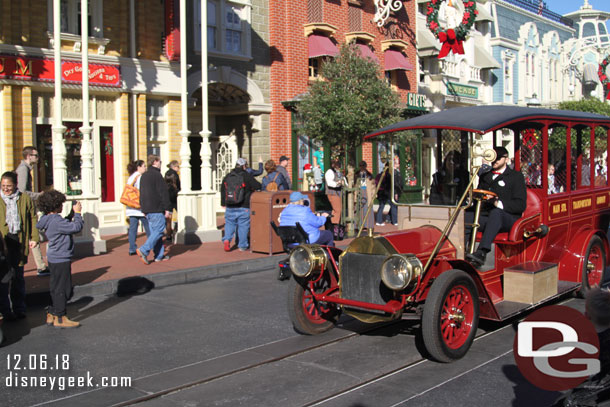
(530, 138)
(601, 72)
(452, 39)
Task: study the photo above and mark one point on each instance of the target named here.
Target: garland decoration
(601, 72)
(452, 39)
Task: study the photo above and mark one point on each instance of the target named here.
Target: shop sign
(458, 89)
(415, 101)
(38, 69)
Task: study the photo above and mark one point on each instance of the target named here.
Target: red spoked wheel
(593, 266)
(451, 316)
(309, 316)
(456, 317)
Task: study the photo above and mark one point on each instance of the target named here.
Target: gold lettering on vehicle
(2, 64)
(601, 200)
(559, 208)
(583, 203)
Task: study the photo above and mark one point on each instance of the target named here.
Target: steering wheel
(483, 194)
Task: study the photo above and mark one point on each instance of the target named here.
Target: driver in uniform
(497, 214)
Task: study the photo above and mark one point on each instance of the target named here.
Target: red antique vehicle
(559, 244)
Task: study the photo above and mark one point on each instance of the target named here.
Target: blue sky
(567, 6)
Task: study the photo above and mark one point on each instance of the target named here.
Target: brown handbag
(131, 195)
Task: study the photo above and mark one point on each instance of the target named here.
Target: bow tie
(496, 172)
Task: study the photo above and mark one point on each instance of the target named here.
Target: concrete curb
(167, 278)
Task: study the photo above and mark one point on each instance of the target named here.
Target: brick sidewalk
(116, 263)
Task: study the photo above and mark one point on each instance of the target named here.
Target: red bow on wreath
(608, 91)
(450, 43)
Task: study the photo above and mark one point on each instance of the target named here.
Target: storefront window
(73, 139)
(73, 142)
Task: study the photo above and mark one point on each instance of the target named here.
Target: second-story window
(70, 17)
(227, 25)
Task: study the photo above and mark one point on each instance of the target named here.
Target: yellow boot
(50, 318)
(64, 322)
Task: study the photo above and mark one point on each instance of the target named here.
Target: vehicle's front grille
(361, 278)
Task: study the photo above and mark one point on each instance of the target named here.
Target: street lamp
(534, 102)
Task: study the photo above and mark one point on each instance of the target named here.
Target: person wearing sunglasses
(497, 215)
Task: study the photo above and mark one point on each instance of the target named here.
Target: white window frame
(222, 27)
(509, 70)
(159, 120)
(73, 6)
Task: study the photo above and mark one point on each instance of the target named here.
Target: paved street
(228, 342)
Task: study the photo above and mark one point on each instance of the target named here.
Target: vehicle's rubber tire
(596, 255)
(454, 290)
(307, 315)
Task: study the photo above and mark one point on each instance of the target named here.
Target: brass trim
(318, 258)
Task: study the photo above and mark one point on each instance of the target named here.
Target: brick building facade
(299, 30)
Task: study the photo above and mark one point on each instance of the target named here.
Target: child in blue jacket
(59, 231)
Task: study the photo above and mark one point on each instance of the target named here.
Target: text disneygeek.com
(50, 372)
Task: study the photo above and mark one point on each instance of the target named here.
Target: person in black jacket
(155, 204)
(500, 214)
(237, 215)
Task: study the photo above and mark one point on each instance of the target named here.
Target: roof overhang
(483, 119)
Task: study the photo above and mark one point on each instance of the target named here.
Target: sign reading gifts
(38, 69)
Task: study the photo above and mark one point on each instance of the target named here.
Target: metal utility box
(266, 207)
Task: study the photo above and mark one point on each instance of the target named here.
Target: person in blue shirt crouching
(297, 211)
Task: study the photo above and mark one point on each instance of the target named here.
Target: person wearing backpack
(274, 180)
(235, 193)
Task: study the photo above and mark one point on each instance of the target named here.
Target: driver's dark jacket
(512, 194)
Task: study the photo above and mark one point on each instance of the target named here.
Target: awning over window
(396, 60)
(484, 59)
(427, 45)
(320, 46)
(589, 74)
(367, 52)
(483, 14)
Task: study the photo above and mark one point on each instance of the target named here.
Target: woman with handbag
(136, 169)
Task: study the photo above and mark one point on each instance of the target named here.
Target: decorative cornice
(399, 44)
(323, 27)
(359, 35)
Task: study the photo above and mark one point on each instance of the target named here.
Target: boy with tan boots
(59, 231)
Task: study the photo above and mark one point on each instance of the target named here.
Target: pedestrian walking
(172, 177)
(135, 215)
(334, 184)
(282, 168)
(274, 180)
(235, 193)
(154, 203)
(17, 226)
(172, 188)
(174, 168)
(25, 185)
(59, 231)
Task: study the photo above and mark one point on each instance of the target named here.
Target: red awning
(367, 52)
(320, 46)
(396, 60)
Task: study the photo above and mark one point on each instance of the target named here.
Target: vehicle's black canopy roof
(482, 119)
